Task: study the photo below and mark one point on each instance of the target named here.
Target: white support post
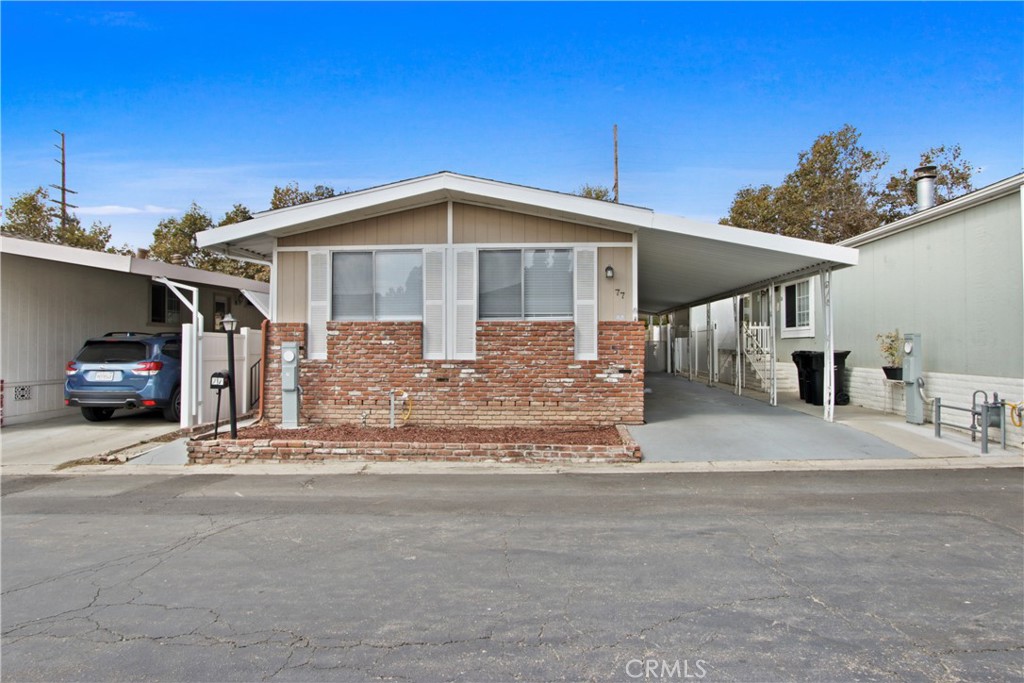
(691, 348)
(191, 382)
(709, 336)
(773, 394)
(738, 367)
(828, 387)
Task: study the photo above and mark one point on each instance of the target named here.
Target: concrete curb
(427, 468)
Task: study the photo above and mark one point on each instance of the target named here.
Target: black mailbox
(219, 380)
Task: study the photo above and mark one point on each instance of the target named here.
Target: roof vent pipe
(925, 179)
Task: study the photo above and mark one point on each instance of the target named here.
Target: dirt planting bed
(593, 436)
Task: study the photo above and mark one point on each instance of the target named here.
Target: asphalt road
(906, 576)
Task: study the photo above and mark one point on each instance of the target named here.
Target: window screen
(398, 285)
(547, 276)
(501, 284)
(352, 286)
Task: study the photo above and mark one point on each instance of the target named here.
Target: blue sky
(169, 103)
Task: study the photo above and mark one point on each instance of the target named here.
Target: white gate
(214, 354)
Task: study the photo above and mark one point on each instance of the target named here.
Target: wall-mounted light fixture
(609, 272)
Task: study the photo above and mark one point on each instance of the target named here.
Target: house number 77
(620, 293)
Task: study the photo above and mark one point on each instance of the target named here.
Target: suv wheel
(97, 414)
(172, 412)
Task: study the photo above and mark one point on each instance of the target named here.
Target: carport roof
(680, 262)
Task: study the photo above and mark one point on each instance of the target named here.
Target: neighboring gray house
(55, 297)
(953, 273)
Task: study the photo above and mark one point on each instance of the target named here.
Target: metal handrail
(255, 386)
(980, 421)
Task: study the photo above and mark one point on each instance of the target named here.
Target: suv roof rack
(126, 334)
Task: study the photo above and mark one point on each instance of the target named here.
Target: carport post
(828, 387)
(192, 363)
(738, 368)
(691, 349)
(710, 342)
(773, 394)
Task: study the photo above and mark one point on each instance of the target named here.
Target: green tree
(595, 192)
(237, 214)
(174, 241)
(33, 215)
(291, 195)
(834, 192)
(898, 199)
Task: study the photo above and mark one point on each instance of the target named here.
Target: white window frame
(797, 331)
(373, 284)
(522, 284)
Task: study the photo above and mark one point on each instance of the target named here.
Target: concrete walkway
(691, 422)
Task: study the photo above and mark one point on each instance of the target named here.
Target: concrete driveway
(689, 421)
(52, 442)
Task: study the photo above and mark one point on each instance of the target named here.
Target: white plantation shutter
(586, 303)
(319, 303)
(464, 328)
(433, 304)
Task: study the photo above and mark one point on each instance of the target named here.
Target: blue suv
(126, 370)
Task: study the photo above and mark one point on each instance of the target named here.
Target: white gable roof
(680, 262)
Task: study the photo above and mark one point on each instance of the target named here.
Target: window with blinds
(525, 284)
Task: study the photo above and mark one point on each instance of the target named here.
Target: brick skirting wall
(525, 374)
(235, 451)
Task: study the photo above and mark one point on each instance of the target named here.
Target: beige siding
(615, 296)
(482, 225)
(425, 225)
(292, 283)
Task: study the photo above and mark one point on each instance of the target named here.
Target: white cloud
(115, 210)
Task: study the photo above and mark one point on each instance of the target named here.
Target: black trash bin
(816, 393)
(802, 360)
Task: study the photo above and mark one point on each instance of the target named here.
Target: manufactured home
(487, 303)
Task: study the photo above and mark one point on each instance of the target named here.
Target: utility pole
(615, 139)
(63, 183)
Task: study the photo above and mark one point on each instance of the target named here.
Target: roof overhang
(680, 262)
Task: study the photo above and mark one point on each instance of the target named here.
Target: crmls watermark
(662, 668)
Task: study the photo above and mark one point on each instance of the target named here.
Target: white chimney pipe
(925, 179)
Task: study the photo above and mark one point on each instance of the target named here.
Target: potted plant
(891, 346)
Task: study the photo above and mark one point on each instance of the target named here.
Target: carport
(683, 264)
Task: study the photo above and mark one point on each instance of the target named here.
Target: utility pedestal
(290, 385)
(913, 370)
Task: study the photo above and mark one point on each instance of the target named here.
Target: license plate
(103, 376)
